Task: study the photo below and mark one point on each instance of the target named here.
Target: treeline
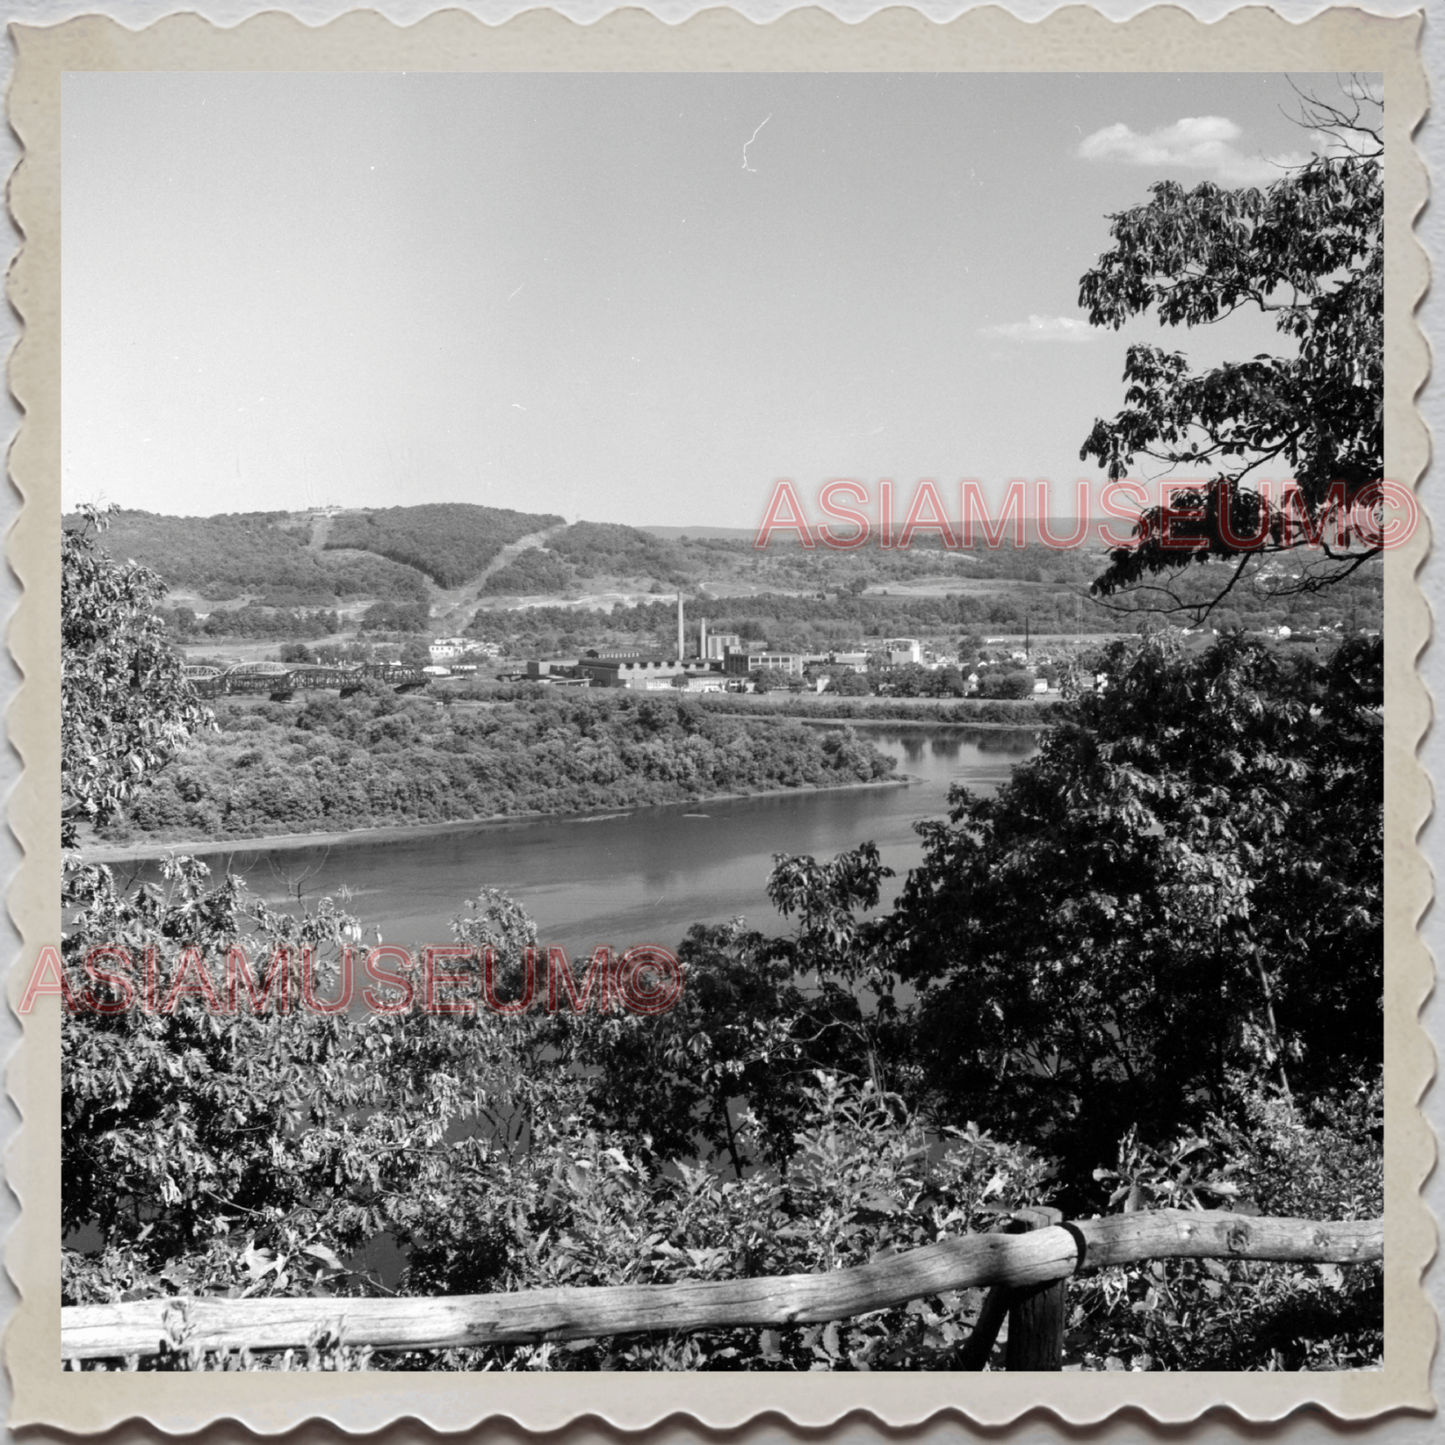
(250, 553)
(396, 617)
(994, 712)
(816, 623)
(872, 565)
(377, 759)
(602, 548)
(591, 550)
(530, 574)
(251, 620)
(449, 541)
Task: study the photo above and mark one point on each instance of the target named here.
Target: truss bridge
(280, 680)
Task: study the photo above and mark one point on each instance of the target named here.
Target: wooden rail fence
(1026, 1271)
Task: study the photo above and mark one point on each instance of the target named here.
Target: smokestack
(679, 628)
(702, 641)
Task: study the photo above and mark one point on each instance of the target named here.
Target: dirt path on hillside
(455, 601)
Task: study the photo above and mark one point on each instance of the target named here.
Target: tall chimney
(680, 653)
(702, 641)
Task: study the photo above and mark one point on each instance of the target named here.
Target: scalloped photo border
(1162, 39)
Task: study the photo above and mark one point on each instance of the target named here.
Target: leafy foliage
(1184, 882)
(1269, 1158)
(125, 704)
(1307, 250)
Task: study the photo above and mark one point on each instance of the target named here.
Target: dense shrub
(1275, 1157)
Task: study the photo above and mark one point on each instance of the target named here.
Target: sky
(625, 298)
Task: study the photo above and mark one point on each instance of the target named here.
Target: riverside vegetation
(377, 759)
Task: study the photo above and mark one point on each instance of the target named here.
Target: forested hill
(265, 554)
(588, 551)
(300, 558)
(449, 541)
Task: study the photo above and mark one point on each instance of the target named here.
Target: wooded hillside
(263, 554)
(449, 541)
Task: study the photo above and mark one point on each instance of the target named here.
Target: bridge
(280, 680)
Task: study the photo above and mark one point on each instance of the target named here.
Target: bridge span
(279, 680)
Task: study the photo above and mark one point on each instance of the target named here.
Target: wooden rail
(1018, 1261)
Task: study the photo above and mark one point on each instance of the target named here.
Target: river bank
(152, 849)
(1001, 715)
(917, 722)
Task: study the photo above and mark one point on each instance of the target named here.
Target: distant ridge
(1062, 527)
(704, 534)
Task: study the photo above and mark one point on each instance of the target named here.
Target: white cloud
(1369, 88)
(1042, 328)
(1336, 144)
(1198, 142)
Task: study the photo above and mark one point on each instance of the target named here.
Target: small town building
(902, 650)
(740, 662)
(641, 672)
(720, 643)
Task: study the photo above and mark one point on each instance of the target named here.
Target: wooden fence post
(1036, 1312)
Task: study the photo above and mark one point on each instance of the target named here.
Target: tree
(1182, 889)
(1307, 250)
(125, 705)
(730, 1046)
(1013, 684)
(948, 682)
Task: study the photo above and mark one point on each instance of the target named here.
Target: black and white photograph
(722, 722)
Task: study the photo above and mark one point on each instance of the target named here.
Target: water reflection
(642, 876)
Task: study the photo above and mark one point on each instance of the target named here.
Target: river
(642, 876)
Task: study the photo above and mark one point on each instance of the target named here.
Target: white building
(718, 644)
(902, 650)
